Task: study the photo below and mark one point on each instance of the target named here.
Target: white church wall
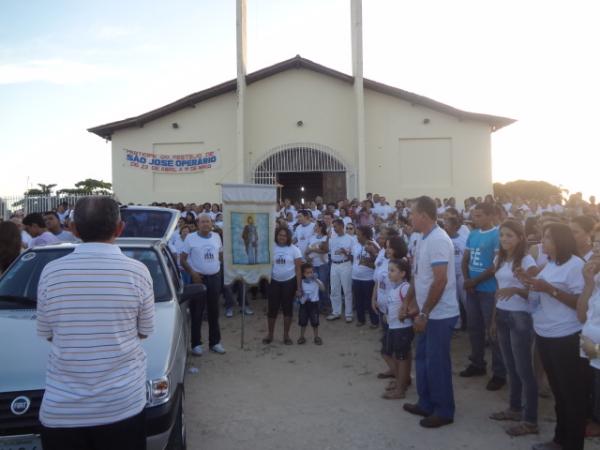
(276, 104)
(413, 150)
(210, 126)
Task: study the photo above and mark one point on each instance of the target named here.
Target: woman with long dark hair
(286, 283)
(553, 294)
(10, 244)
(514, 329)
(582, 228)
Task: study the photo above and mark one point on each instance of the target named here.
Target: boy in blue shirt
(478, 271)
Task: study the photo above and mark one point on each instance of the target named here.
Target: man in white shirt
(201, 258)
(63, 212)
(95, 306)
(434, 289)
(304, 230)
(36, 227)
(53, 225)
(339, 246)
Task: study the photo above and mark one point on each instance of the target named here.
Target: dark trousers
(480, 308)
(128, 434)
(362, 290)
(567, 373)
(434, 368)
(211, 305)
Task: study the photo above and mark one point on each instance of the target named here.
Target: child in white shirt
(398, 315)
(309, 303)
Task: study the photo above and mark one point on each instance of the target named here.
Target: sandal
(522, 429)
(301, 341)
(267, 340)
(394, 395)
(287, 341)
(384, 375)
(318, 340)
(506, 415)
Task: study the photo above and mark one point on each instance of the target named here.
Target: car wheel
(178, 440)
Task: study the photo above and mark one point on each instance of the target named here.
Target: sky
(68, 65)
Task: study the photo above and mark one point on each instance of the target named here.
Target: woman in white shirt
(286, 283)
(588, 312)
(514, 329)
(553, 295)
(364, 253)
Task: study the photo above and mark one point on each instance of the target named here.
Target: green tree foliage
(91, 186)
(527, 189)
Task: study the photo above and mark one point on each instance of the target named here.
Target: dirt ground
(295, 397)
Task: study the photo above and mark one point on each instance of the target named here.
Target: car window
(145, 223)
(171, 267)
(21, 279)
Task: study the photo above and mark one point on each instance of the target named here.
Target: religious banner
(167, 163)
(248, 230)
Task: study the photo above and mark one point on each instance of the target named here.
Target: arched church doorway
(304, 171)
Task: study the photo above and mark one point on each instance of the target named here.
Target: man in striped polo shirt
(94, 306)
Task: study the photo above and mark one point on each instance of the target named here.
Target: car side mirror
(192, 291)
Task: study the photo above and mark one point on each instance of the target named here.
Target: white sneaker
(197, 350)
(229, 313)
(348, 319)
(248, 311)
(218, 348)
(332, 317)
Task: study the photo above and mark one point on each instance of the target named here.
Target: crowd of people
(521, 276)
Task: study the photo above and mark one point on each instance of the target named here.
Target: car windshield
(142, 223)
(18, 286)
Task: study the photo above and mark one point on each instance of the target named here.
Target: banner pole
(243, 288)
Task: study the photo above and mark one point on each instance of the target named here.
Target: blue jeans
(480, 308)
(323, 275)
(362, 291)
(434, 368)
(515, 337)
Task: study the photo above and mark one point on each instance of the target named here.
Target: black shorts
(398, 343)
(281, 297)
(309, 311)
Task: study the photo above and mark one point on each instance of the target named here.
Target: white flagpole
(357, 72)
(241, 89)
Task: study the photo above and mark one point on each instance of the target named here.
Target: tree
(33, 192)
(91, 186)
(527, 189)
(46, 188)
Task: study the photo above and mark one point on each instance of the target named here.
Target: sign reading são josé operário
(184, 163)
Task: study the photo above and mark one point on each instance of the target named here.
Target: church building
(300, 128)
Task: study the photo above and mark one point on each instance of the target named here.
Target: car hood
(23, 354)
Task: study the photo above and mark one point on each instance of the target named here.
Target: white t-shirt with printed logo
(551, 318)
(317, 259)
(394, 299)
(203, 252)
(506, 278)
(310, 291)
(435, 248)
(360, 271)
(303, 234)
(284, 263)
